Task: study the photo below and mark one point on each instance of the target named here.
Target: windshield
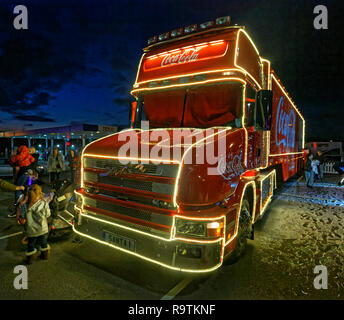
(196, 107)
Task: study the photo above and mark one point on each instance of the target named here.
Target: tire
(244, 232)
(11, 208)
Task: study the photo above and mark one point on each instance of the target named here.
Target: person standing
(21, 163)
(320, 158)
(73, 162)
(22, 159)
(38, 212)
(55, 165)
(32, 151)
(315, 168)
(309, 173)
(25, 180)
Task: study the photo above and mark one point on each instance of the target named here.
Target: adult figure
(72, 158)
(22, 160)
(320, 157)
(309, 173)
(32, 151)
(7, 186)
(55, 165)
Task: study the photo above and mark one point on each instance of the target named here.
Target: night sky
(78, 59)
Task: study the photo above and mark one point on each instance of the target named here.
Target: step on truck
(212, 132)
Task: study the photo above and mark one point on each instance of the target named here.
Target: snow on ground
(301, 228)
(305, 229)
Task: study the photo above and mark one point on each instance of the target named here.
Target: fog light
(189, 251)
(182, 251)
(196, 252)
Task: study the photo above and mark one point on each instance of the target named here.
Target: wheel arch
(250, 187)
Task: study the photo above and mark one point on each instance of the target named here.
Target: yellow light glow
(191, 75)
(236, 54)
(129, 228)
(90, 155)
(267, 200)
(239, 208)
(198, 46)
(146, 258)
(269, 72)
(198, 241)
(138, 70)
(284, 154)
(189, 84)
(246, 145)
(238, 68)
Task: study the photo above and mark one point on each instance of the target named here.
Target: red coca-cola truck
(213, 132)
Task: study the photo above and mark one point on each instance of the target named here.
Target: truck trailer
(213, 132)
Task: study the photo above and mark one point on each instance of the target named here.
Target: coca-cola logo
(189, 55)
(285, 126)
(231, 168)
(186, 55)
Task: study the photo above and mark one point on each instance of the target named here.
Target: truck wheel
(244, 232)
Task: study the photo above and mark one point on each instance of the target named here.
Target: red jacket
(23, 158)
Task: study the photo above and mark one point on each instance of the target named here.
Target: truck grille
(131, 196)
(113, 164)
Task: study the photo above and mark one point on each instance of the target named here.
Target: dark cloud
(36, 63)
(96, 45)
(33, 118)
(122, 102)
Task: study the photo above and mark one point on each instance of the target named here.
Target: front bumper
(171, 253)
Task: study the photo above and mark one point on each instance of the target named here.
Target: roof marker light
(223, 20)
(176, 33)
(163, 36)
(190, 29)
(206, 25)
(152, 40)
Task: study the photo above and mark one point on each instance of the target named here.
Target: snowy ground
(301, 229)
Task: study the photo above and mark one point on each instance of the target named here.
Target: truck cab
(184, 185)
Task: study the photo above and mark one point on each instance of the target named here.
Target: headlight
(210, 229)
(191, 228)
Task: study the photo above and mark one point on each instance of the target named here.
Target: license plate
(119, 241)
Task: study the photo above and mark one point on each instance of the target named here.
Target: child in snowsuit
(37, 215)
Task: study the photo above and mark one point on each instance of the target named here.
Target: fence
(328, 168)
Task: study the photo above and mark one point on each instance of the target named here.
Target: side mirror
(264, 109)
(132, 114)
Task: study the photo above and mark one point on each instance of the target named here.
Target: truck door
(258, 139)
